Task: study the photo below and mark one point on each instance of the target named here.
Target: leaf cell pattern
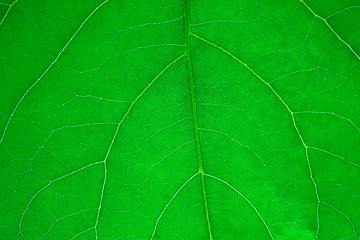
(184, 119)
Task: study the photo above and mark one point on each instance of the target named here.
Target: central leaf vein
(187, 31)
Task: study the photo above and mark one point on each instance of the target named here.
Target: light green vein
(235, 141)
(7, 11)
(169, 202)
(187, 29)
(342, 214)
(46, 186)
(287, 108)
(246, 199)
(329, 26)
(80, 233)
(330, 113)
(334, 155)
(49, 67)
(126, 114)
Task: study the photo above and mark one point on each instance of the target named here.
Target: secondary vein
(7, 11)
(187, 53)
(49, 66)
(330, 27)
(119, 124)
(291, 112)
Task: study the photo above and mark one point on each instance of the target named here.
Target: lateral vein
(136, 99)
(49, 67)
(287, 108)
(246, 199)
(7, 11)
(331, 29)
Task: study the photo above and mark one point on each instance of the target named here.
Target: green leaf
(180, 120)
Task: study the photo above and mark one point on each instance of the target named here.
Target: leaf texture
(190, 119)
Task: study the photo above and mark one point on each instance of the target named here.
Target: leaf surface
(188, 119)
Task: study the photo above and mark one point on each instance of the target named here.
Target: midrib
(187, 53)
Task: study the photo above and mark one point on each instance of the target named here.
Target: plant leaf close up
(190, 119)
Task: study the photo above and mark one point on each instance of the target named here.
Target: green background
(201, 119)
